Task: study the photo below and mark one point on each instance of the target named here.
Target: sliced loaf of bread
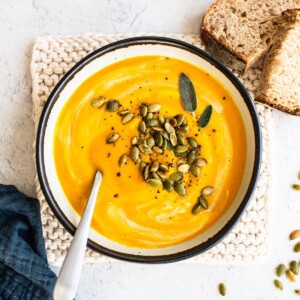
(239, 32)
(280, 82)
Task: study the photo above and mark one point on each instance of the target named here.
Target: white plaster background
(20, 23)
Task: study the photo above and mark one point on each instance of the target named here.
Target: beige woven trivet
(52, 58)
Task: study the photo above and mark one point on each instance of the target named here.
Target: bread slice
(280, 83)
(239, 32)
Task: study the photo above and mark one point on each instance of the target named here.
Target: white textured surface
(20, 23)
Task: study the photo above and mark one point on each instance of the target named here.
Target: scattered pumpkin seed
(154, 175)
(153, 182)
(176, 176)
(180, 140)
(134, 153)
(142, 127)
(158, 150)
(297, 247)
(180, 119)
(142, 167)
(196, 209)
(152, 122)
(122, 160)
(154, 166)
(179, 188)
(184, 168)
(180, 149)
(112, 105)
(165, 135)
(290, 275)
(295, 234)
(134, 140)
(168, 185)
(201, 162)
(158, 139)
(195, 170)
(164, 168)
(173, 139)
(161, 174)
(169, 145)
(169, 128)
(203, 202)
(149, 116)
(206, 191)
(294, 266)
(112, 138)
(192, 142)
(296, 187)
(173, 122)
(191, 157)
(161, 120)
(143, 111)
(154, 108)
(98, 102)
(164, 145)
(146, 172)
(183, 130)
(278, 284)
(182, 155)
(280, 270)
(127, 118)
(222, 289)
(150, 142)
(156, 128)
(145, 149)
(123, 112)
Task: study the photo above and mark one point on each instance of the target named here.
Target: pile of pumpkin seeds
(293, 268)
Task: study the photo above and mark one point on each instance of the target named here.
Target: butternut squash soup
(171, 166)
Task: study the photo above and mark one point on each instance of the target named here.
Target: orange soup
(129, 210)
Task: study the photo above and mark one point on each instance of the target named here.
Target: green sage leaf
(205, 117)
(187, 93)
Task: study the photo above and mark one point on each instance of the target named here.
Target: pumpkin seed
(161, 174)
(203, 202)
(169, 145)
(191, 157)
(156, 128)
(134, 153)
(168, 185)
(195, 170)
(98, 102)
(153, 182)
(123, 112)
(112, 138)
(176, 176)
(161, 120)
(152, 123)
(192, 142)
(296, 187)
(183, 130)
(180, 140)
(150, 142)
(206, 191)
(201, 162)
(134, 140)
(182, 155)
(196, 209)
(290, 275)
(143, 111)
(122, 160)
(149, 116)
(138, 161)
(165, 144)
(180, 149)
(158, 150)
(280, 270)
(294, 234)
(180, 119)
(222, 289)
(158, 139)
(142, 167)
(165, 135)
(154, 108)
(173, 122)
(127, 118)
(112, 105)
(297, 247)
(164, 168)
(294, 267)
(179, 188)
(184, 168)
(145, 149)
(169, 128)
(173, 139)
(146, 172)
(197, 150)
(278, 284)
(142, 127)
(155, 175)
(154, 166)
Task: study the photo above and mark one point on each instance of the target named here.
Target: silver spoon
(68, 279)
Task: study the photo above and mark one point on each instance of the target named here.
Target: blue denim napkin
(24, 270)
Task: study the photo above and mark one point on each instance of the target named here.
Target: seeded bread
(239, 32)
(280, 82)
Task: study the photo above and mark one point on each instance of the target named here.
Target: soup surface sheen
(128, 210)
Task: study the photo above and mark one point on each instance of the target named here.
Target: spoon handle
(68, 279)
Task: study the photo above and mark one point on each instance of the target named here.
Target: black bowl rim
(43, 124)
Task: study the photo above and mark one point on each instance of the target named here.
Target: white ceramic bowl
(108, 55)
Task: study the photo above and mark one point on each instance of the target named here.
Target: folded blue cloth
(24, 270)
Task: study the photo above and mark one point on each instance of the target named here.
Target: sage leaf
(205, 117)
(187, 93)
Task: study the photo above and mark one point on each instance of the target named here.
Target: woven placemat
(52, 57)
